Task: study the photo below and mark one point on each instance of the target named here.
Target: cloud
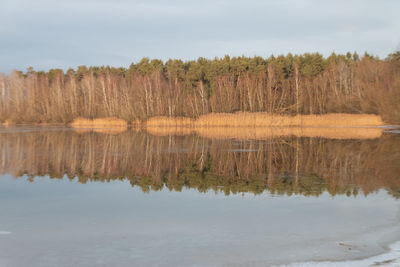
(50, 33)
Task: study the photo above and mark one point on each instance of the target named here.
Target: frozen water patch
(4, 233)
(390, 258)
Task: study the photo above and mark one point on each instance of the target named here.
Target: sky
(67, 33)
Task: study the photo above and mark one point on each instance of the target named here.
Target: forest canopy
(287, 84)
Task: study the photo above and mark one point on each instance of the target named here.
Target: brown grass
(110, 122)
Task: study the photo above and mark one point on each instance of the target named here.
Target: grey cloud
(63, 33)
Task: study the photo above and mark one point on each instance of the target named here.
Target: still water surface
(89, 198)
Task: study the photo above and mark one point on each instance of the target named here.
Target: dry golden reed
(264, 126)
(245, 119)
(260, 119)
(250, 125)
(109, 122)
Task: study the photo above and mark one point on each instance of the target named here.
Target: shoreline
(265, 133)
(238, 119)
(391, 255)
(221, 133)
(380, 245)
(240, 125)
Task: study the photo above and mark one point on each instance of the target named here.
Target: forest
(287, 85)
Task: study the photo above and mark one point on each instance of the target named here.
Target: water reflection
(289, 165)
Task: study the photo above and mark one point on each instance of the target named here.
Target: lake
(133, 198)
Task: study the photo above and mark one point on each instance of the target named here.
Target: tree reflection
(283, 166)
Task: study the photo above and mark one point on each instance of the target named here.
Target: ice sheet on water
(390, 258)
(4, 233)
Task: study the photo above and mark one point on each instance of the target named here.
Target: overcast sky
(67, 33)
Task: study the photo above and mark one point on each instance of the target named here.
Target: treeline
(291, 84)
(306, 166)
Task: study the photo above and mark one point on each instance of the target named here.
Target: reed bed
(338, 120)
(109, 122)
(246, 119)
(260, 119)
(264, 125)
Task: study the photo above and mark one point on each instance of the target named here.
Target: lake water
(98, 198)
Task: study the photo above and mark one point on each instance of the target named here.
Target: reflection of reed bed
(110, 131)
(263, 133)
(164, 131)
(117, 130)
(287, 165)
(260, 119)
(162, 121)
